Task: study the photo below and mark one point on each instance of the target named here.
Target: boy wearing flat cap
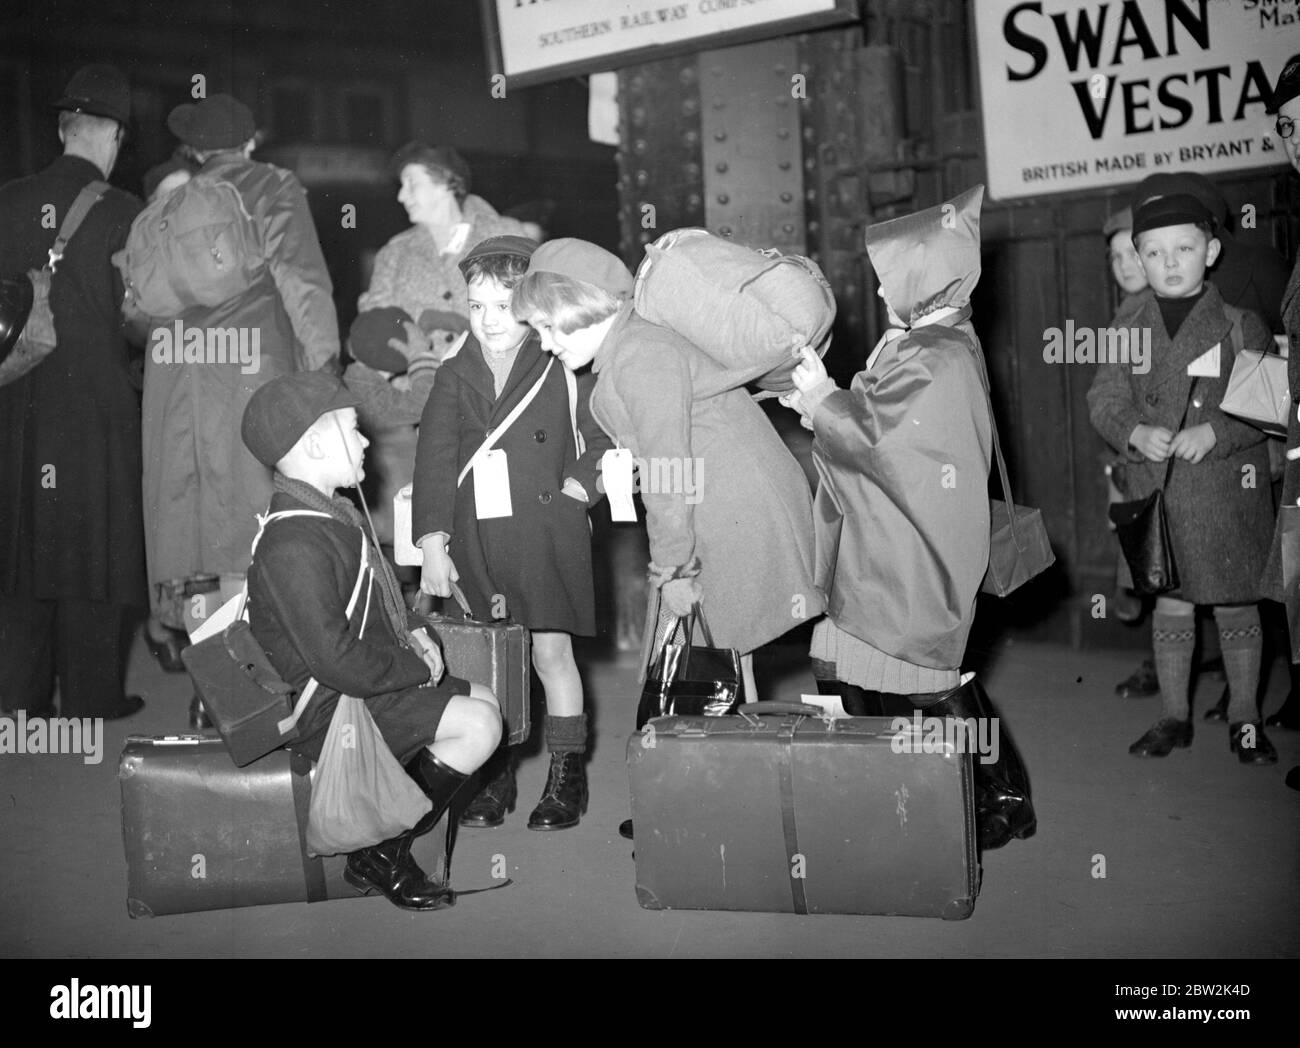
(304, 427)
(531, 561)
(202, 489)
(1212, 468)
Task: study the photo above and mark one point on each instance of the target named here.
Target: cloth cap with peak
(98, 90)
(1182, 183)
(218, 122)
(508, 244)
(585, 261)
(1177, 209)
(1287, 86)
(281, 411)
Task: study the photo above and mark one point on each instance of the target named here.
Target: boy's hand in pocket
(1194, 443)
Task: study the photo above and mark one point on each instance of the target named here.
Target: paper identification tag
(492, 485)
(616, 471)
(1207, 364)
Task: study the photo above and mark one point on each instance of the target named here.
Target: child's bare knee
(483, 693)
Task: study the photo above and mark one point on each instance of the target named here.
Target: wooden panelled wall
(891, 126)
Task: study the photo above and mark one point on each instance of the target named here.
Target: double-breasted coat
(70, 518)
(1272, 580)
(539, 557)
(716, 481)
(1220, 512)
(202, 488)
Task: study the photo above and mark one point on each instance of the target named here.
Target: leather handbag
(688, 680)
(1019, 547)
(1142, 528)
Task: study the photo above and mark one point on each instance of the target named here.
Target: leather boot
(389, 866)
(497, 797)
(1003, 807)
(565, 797)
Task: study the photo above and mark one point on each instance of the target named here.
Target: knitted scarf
(340, 509)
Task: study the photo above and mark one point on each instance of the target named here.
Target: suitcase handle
(424, 601)
(780, 709)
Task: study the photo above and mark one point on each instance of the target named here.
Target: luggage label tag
(616, 473)
(492, 485)
(1207, 365)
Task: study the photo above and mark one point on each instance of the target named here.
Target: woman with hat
(742, 541)
(418, 270)
(528, 558)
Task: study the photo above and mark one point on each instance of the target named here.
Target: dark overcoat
(1272, 580)
(747, 513)
(1220, 512)
(539, 558)
(299, 583)
(70, 516)
(203, 488)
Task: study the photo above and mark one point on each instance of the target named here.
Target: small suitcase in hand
(498, 654)
(794, 813)
(202, 834)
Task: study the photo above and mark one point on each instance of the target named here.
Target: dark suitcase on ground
(498, 654)
(799, 814)
(202, 834)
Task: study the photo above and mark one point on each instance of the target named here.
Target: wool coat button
(544, 498)
(446, 294)
(1153, 399)
(540, 436)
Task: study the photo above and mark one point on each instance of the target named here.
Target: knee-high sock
(1241, 639)
(1173, 638)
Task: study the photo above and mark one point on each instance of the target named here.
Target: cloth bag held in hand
(689, 681)
(1019, 547)
(360, 794)
(36, 339)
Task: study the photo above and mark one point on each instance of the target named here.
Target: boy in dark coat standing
(530, 558)
(304, 427)
(71, 538)
(1217, 499)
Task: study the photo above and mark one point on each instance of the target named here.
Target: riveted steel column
(753, 178)
(659, 171)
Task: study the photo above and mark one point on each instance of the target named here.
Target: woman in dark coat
(533, 563)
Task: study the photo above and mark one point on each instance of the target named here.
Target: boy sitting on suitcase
(304, 427)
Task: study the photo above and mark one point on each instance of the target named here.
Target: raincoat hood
(930, 259)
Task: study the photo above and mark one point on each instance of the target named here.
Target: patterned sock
(1241, 639)
(566, 734)
(1173, 638)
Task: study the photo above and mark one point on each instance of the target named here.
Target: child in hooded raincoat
(902, 508)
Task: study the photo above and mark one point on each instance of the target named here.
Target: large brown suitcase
(202, 834)
(800, 814)
(498, 654)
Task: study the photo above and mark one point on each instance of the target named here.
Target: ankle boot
(565, 797)
(1003, 808)
(497, 797)
(389, 866)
